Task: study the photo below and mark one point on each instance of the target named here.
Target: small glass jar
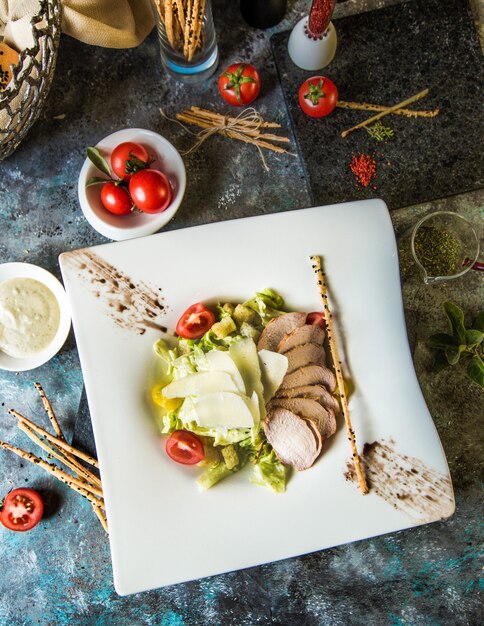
(188, 41)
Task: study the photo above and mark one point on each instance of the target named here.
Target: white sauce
(29, 317)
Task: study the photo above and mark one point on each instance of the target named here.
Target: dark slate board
(384, 57)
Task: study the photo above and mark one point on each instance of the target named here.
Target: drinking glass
(188, 42)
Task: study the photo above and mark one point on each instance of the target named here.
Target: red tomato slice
(22, 509)
(316, 318)
(195, 322)
(184, 447)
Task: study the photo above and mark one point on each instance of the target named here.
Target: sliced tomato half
(184, 447)
(316, 317)
(195, 322)
(22, 509)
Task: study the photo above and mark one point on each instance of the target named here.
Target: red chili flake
(363, 167)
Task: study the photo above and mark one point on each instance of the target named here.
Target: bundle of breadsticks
(183, 22)
(80, 478)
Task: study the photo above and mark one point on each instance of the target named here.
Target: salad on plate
(246, 385)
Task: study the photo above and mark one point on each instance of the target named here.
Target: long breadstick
(316, 264)
(400, 105)
(366, 106)
(55, 440)
(55, 471)
(194, 29)
(169, 22)
(98, 510)
(55, 424)
(83, 475)
(218, 117)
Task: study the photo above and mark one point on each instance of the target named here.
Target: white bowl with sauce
(18, 272)
(136, 224)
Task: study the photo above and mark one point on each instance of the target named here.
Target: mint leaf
(97, 159)
(441, 341)
(475, 370)
(452, 354)
(479, 322)
(456, 320)
(474, 338)
(95, 180)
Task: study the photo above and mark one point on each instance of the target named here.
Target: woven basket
(21, 102)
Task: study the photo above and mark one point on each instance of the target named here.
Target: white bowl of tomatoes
(132, 184)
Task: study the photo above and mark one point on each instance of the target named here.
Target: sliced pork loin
(277, 328)
(310, 375)
(309, 333)
(305, 354)
(294, 441)
(315, 392)
(323, 419)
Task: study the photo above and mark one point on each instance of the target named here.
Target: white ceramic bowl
(27, 270)
(120, 227)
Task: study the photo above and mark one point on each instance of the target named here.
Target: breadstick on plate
(316, 264)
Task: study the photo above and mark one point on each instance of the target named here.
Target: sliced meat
(310, 375)
(315, 392)
(293, 440)
(317, 435)
(306, 354)
(323, 419)
(309, 333)
(277, 328)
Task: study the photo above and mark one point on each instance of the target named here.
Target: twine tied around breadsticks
(247, 126)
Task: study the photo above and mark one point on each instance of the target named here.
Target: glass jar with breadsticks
(188, 41)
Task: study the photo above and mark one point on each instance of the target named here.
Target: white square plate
(162, 530)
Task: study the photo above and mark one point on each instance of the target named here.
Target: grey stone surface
(61, 572)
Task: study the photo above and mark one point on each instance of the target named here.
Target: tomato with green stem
(318, 96)
(127, 158)
(239, 85)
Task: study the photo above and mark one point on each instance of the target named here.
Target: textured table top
(61, 572)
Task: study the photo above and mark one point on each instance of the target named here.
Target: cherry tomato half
(195, 322)
(318, 96)
(239, 84)
(184, 447)
(116, 199)
(22, 509)
(150, 190)
(316, 318)
(128, 158)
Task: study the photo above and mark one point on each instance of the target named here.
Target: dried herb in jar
(438, 250)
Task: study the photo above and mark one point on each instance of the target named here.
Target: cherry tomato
(318, 96)
(116, 199)
(128, 158)
(239, 84)
(316, 318)
(195, 322)
(22, 509)
(184, 447)
(150, 190)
